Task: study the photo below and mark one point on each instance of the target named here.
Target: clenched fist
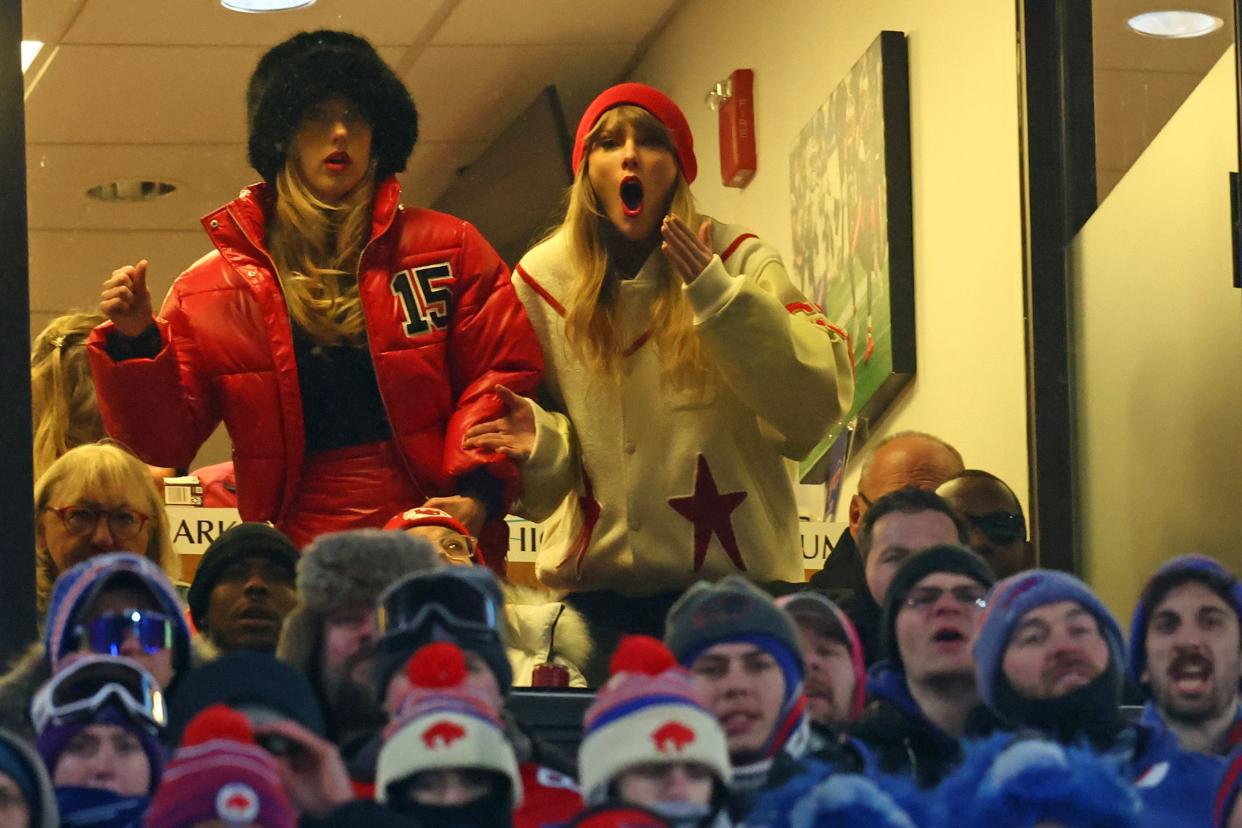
(126, 300)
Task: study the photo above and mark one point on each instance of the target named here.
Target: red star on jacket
(709, 511)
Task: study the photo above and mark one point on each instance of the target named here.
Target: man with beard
(243, 588)
(923, 699)
(995, 518)
(1050, 657)
(331, 635)
(836, 678)
(1186, 653)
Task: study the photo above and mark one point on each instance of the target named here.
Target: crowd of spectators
(366, 679)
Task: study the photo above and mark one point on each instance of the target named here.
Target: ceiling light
(131, 190)
(30, 48)
(1174, 24)
(260, 6)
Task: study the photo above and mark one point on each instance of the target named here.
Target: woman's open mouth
(631, 195)
(337, 161)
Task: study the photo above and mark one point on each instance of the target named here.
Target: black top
(341, 403)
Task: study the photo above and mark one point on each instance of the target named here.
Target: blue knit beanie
(1017, 595)
(1180, 570)
(76, 588)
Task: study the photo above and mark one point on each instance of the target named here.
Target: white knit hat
(648, 712)
(443, 724)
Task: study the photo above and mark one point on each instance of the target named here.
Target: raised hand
(689, 254)
(126, 300)
(512, 434)
(311, 769)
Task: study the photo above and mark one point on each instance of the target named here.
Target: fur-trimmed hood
(541, 630)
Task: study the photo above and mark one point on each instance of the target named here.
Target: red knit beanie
(661, 106)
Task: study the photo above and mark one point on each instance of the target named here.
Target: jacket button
(214, 224)
(629, 447)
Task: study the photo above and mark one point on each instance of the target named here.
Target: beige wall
(1159, 354)
(964, 116)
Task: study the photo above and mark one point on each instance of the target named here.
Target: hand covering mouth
(632, 195)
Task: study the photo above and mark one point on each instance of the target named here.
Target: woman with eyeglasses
(94, 499)
(99, 721)
(118, 604)
(346, 342)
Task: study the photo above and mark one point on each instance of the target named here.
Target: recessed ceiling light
(1174, 24)
(260, 6)
(30, 48)
(131, 190)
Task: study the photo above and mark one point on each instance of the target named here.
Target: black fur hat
(311, 66)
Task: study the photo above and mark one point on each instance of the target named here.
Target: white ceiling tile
(145, 94)
(47, 20)
(492, 85)
(143, 22)
(433, 169)
(551, 22)
(59, 174)
(68, 267)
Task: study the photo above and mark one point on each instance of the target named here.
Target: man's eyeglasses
(82, 520)
(1001, 528)
(924, 598)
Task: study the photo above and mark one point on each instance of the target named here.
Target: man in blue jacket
(1050, 657)
(1186, 653)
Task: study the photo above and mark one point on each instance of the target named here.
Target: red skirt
(349, 488)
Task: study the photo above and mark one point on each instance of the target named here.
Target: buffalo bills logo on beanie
(673, 737)
(442, 734)
(237, 803)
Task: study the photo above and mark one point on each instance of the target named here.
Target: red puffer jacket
(443, 323)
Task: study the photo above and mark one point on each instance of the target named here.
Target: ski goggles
(454, 600)
(1002, 528)
(107, 634)
(84, 687)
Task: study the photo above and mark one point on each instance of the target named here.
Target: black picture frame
(851, 199)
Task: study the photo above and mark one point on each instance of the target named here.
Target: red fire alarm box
(737, 130)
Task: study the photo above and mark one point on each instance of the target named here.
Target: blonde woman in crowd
(95, 499)
(61, 390)
(346, 342)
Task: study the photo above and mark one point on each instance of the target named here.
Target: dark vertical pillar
(17, 594)
(1060, 195)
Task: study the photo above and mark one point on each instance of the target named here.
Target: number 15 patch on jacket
(426, 297)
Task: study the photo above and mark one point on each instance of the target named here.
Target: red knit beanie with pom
(220, 773)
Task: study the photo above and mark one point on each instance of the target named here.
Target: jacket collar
(252, 207)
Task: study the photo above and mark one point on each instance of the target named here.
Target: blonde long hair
(96, 471)
(316, 247)
(62, 391)
(592, 320)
